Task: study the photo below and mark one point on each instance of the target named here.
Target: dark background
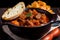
(10, 3)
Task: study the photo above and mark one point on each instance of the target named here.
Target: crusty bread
(14, 12)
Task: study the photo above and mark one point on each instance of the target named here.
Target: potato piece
(35, 4)
(29, 6)
(44, 19)
(43, 7)
(22, 16)
(30, 23)
(35, 12)
(41, 3)
(48, 8)
(38, 16)
(15, 22)
(51, 11)
(36, 22)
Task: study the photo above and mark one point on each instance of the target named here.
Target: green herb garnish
(28, 14)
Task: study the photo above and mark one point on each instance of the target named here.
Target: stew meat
(31, 18)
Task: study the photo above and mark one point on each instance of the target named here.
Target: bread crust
(14, 12)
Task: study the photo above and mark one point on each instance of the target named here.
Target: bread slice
(14, 12)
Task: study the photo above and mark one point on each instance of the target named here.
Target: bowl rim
(34, 26)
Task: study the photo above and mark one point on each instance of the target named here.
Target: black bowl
(34, 32)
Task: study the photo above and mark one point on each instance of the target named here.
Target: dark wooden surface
(10, 3)
(4, 36)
